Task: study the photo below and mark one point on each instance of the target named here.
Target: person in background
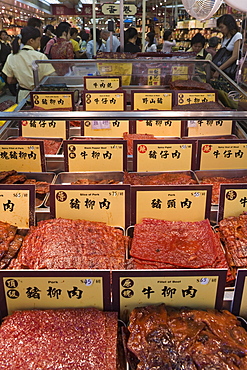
(52, 41)
(150, 46)
(5, 50)
(167, 43)
(62, 48)
(18, 66)
(213, 43)
(130, 38)
(75, 43)
(90, 45)
(232, 39)
(48, 34)
(36, 23)
(197, 46)
(105, 35)
(84, 39)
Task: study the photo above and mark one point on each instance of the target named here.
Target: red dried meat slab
(184, 244)
(50, 146)
(68, 339)
(131, 137)
(158, 179)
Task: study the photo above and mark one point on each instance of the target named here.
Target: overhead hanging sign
(17, 205)
(100, 203)
(114, 9)
(202, 289)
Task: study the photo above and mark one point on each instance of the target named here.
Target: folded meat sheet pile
(166, 338)
(72, 244)
(10, 242)
(233, 233)
(175, 244)
(70, 339)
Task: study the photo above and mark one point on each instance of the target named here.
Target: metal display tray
(66, 178)
(41, 176)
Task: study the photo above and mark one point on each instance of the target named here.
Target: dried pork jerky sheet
(233, 233)
(50, 146)
(166, 338)
(216, 181)
(93, 182)
(200, 107)
(158, 179)
(10, 242)
(131, 137)
(67, 339)
(189, 85)
(72, 244)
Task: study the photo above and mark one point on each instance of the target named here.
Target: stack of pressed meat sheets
(10, 243)
(233, 233)
(67, 339)
(175, 244)
(72, 244)
(186, 339)
(166, 178)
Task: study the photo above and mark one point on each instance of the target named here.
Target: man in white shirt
(105, 35)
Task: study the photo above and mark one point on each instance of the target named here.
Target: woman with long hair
(151, 47)
(90, 45)
(167, 43)
(227, 25)
(130, 39)
(18, 66)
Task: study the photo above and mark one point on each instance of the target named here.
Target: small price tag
(143, 100)
(161, 155)
(172, 203)
(192, 123)
(154, 76)
(193, 288)
(22, 156)
(115, 128)
(44, 129)
(107, 101)
(53, 101)
(17, 205)
(180, 73)
(222, 154)
(101, 125)
(92, 203)
(95, 155)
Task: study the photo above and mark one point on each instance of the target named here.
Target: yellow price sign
(144, 100)
(167, 128)
(107, 101)
(194, 97)
(102, 83)
(233, 200)
(53, 100)
(44, 128)
(209, 127)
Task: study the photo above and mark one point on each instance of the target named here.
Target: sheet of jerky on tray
(131, 137)
(189, 85)
(163, 337)
(10, 243)
(233, 234)
(69, 339)
(160, 244)
(72, 244)
(50, 146)
(216, 181)
(167, 178)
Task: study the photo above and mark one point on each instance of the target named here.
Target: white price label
(99, 125)
(192, 123)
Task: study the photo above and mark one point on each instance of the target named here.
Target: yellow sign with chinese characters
(192, 291)
(41, 128)
(94, 205)
(116, 69)
(26, 293)
(102, 83)
(114, 9)
(164, 157)
(15, 207)
(209, 128)
(52, 101)
(196, 97)
(223, 156)
(171, 205)
(180, 73)
(154, 76)
(235, 202)
(20, 157)
(114, 129)
(166, 128)
(152, 100)
(243, 305)
(95, 157)
(104, 101)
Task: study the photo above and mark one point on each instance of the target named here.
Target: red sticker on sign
(206, 148)
(142, 149)
(24, 123)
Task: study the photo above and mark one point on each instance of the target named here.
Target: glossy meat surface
(158, 179)
(186, 339)
(68, 339)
